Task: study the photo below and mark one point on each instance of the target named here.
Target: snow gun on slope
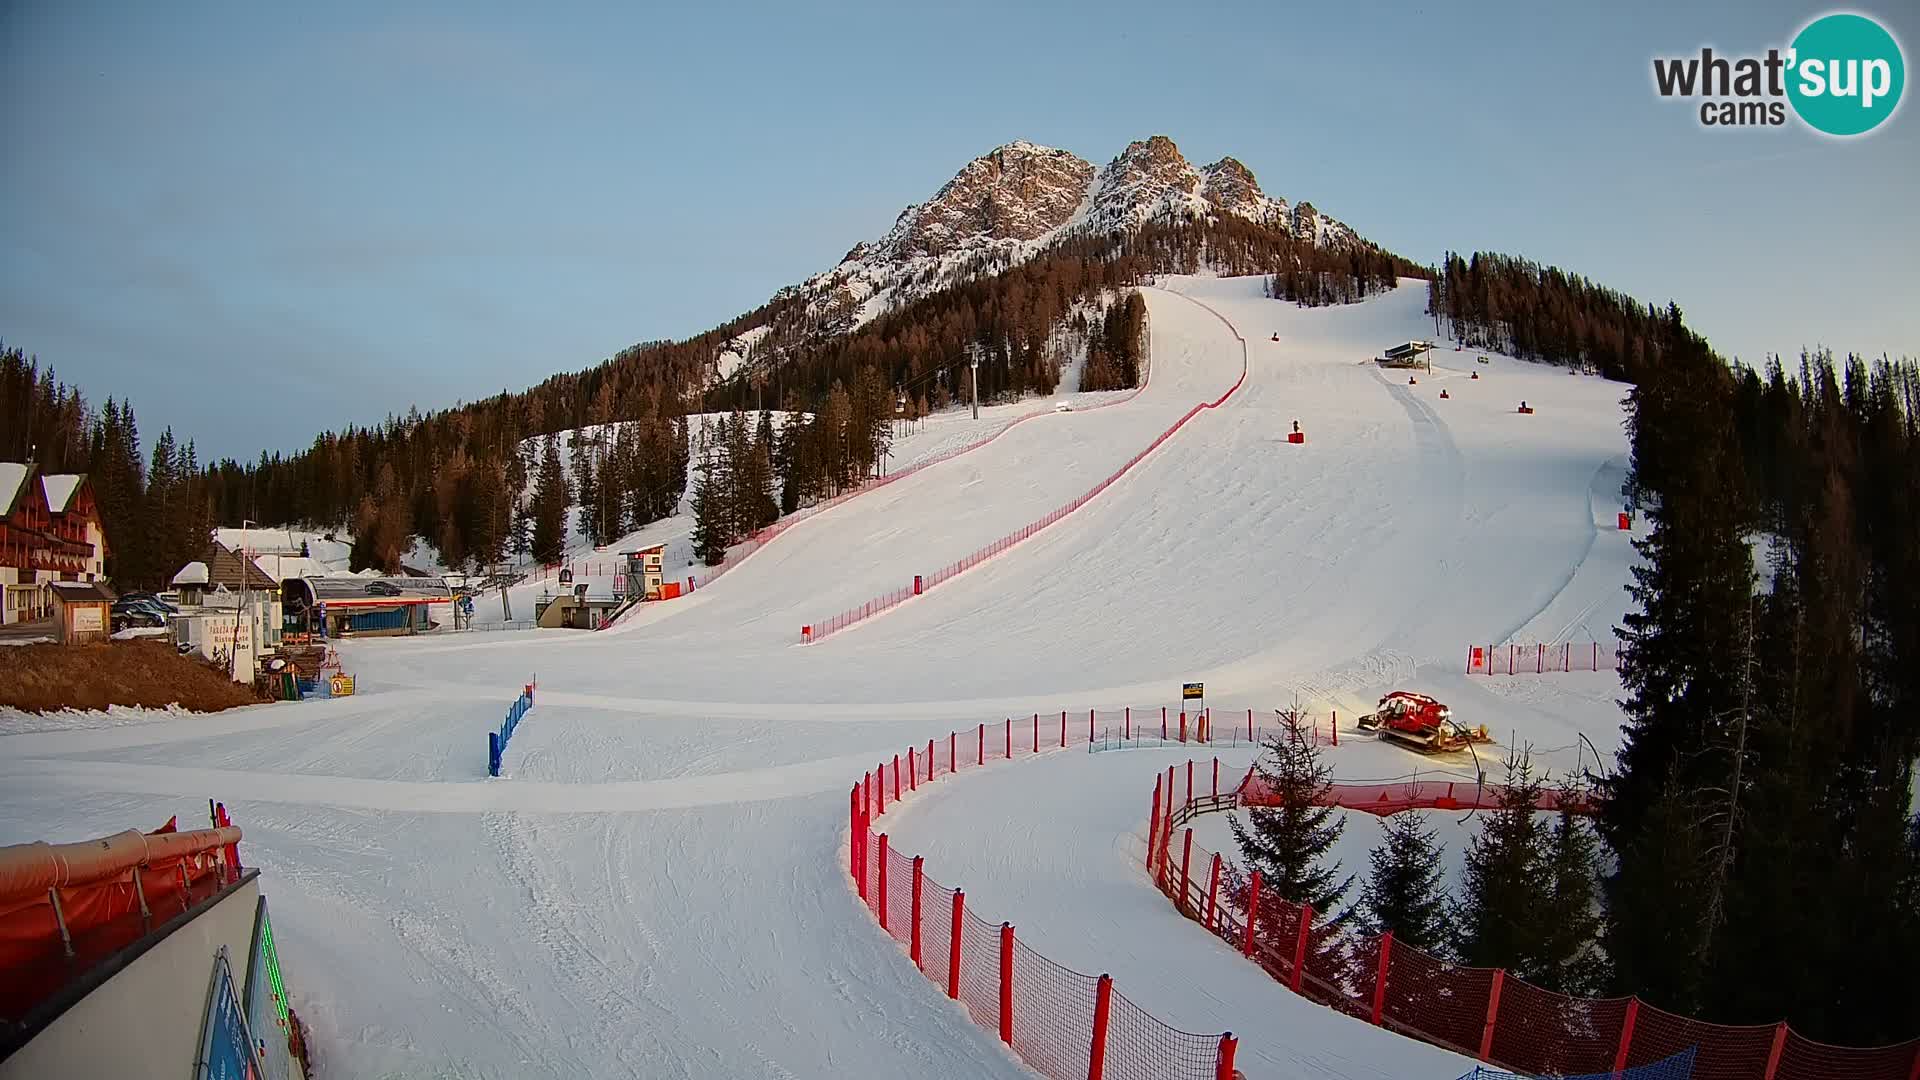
(1422, 723)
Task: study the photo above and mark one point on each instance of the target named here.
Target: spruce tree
(1569, 960)
(1506, 888)
(1289, 842)
(710, 513)
(586, 485)
(1403, 892)
(550, 501)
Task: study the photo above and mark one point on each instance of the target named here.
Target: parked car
(128, 614)
(383, 588)
(150, 600)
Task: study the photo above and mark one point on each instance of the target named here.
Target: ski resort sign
(1843, 75)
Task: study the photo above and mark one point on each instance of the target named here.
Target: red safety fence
(1479, 1012)
(1541, 658)
(1064, 1024)
(817, 631)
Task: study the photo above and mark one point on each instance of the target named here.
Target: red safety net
(815, 631)
(1525, 1028)
(1052, 1019)
(1392, 796)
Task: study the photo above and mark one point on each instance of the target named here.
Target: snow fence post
(1036, 734)
(913, 771)
(1186, 865)
(1493, 1013)
(880, 786)
(1127, 732)
(953, 758)
(929, 761)
(1253, 913)
(919, 874)
(1089, 727)
(1163, 723)
(1380, 977)
(855, 856)
(1006, 983)
(1300, 947)
(1216, 776)
(980, 755)
(1183, 725)
(1102, 1009)
(1773, 1055)
(1153, 823)
(1189, 801)
(1626, 1036)
(953, 948)
(1063, 727)
(1213, 891)
(1009, 740)
(1228, 1044)
(883, 884)
(493, 753)
(896, 778)
(1333, 721)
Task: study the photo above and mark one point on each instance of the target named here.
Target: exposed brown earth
(47, 678)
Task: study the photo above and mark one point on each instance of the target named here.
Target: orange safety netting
(1392, 796)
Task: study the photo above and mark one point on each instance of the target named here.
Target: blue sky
(262, 220)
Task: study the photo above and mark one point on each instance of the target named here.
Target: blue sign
(226, 1049)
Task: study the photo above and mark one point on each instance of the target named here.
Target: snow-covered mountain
(1011, 203)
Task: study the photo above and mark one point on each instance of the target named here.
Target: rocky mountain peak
(1019, 191)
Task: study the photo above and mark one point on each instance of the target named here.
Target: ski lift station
(1407, 354)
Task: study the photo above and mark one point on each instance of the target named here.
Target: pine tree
(1506, 889)
(1569, 960)
(1403, 892)
(710, 537)
(586, 485)
(1289, 842)
(550, 501)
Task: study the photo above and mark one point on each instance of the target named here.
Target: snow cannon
(1420, 722)
(1474, 375)
(1296, 436)
(1443, 395)
(1276, 335)
(1411, 381)
(1525, 409)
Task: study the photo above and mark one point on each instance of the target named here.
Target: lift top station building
(644, 574)
(1407, 354)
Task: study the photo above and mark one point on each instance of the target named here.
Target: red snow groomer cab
(1422, 723)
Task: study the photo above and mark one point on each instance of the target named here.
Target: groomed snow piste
(655, 889)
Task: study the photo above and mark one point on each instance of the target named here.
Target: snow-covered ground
(655, 888)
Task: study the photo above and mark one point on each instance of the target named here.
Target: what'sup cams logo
(1842, 75)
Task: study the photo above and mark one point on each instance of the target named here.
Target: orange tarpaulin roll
(96, 883)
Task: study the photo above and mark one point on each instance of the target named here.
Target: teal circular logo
(1846, 74)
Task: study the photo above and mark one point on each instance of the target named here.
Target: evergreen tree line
(1518, 307)
(1529, 894)
(1762, 811)
(156, 511)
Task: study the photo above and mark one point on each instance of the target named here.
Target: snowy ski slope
(655, 889)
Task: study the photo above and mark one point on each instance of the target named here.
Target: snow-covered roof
(60, 488)
(13, 476)
(194, 573)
